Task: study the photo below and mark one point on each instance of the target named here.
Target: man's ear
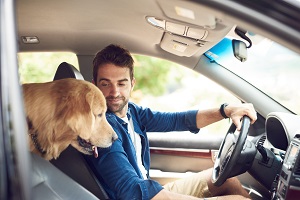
(132, 83)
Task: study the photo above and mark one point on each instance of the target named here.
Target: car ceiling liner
(189, 28)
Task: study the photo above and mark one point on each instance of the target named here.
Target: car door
(178, 154)
(15, 162)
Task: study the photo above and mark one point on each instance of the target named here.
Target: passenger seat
(71, 161)
(66, 70)
(50, 183)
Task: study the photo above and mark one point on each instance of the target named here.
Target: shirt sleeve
(168, 121)
(115, 171)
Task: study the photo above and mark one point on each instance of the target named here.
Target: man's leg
(200, 185)
(195, 185)
(231, 186)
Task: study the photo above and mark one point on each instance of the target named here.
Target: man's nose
(114, 90)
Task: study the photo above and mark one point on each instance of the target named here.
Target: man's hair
(113, 54)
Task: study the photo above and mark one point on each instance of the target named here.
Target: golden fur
(60, 111)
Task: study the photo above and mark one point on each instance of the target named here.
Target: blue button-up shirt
(116, 167)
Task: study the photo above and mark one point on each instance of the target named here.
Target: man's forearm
(235, 112)
(207, 117)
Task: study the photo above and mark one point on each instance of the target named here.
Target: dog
(66, 112)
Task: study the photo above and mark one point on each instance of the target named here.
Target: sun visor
(180, 46)
(187, 12)
(189, 28)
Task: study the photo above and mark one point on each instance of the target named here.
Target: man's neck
(122, 113)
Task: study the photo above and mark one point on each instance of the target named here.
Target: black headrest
(66, 70)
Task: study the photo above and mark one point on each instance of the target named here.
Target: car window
(161, 85)
(185, 89)
(40, 67)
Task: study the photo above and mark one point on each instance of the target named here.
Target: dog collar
(34, 138)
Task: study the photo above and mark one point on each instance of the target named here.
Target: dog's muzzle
(88, 147)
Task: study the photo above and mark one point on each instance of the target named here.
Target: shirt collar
(111, 114)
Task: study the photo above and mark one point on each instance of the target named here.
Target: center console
(289, 179)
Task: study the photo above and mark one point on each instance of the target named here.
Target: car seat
(50, 183)
(66, 70)
(71, 161)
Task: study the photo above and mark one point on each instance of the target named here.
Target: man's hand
(236, 113)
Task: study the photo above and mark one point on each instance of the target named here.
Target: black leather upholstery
(50, 183)
(71, 161)
(66, 70)
(73, 164)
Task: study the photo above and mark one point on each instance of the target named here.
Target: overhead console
(188, 27)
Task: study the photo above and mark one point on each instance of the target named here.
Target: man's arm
(235, 112)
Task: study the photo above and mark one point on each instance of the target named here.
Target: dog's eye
(100, 115)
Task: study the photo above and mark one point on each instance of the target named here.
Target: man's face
(116, 86)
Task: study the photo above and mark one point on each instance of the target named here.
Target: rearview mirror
(239, 50)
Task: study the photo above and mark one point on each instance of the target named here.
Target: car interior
(50, 183)
(72, 161)
(57, 182)
(188, 33)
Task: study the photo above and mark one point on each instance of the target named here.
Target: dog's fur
(60, 111)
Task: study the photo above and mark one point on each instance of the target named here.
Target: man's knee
(231, 186)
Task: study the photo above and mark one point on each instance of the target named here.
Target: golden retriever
(64, 112)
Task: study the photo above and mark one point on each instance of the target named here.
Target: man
(123, 169)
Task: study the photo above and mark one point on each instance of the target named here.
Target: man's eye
(104, 84)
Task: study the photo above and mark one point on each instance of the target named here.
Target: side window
(41, 67)
(165, 86)
(160, 84)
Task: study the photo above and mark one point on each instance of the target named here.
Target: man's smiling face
(116, 85)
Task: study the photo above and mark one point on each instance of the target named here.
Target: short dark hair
(113, 54)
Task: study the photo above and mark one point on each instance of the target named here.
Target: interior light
(30, 39)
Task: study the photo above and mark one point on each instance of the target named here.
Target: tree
(155, 76)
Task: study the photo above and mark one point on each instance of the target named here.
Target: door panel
(177, 155)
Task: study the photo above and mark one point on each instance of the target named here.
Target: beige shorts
(194, 185)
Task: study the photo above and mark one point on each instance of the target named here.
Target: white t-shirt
(137, 143)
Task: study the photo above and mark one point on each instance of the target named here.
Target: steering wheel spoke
(229, 152)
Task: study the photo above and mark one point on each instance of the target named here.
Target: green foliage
(41, 67)
(155, 76)
(160, 84)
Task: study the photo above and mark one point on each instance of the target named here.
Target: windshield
(270, 67)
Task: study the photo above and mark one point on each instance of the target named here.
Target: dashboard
(283, 132)
(289, 178)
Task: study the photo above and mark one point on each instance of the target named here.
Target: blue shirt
(116, 167)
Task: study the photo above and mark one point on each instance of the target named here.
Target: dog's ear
(79, 116)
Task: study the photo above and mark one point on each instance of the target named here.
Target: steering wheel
(229, 152)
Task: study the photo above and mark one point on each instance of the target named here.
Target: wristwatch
(222, 107)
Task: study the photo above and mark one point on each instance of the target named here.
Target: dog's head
(64, 112)
(84, 112)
